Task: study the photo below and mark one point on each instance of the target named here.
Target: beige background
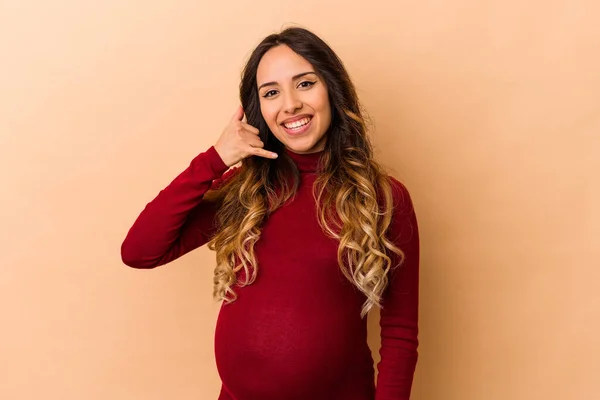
(488, 110)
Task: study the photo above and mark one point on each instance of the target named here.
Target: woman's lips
(297, 131)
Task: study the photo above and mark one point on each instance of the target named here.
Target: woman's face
(294, 100)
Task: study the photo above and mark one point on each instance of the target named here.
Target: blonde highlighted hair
(353, 193)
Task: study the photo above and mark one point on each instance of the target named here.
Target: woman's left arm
(399, 313)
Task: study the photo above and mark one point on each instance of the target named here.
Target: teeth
(297, 124)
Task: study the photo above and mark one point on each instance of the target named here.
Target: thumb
(239, 114)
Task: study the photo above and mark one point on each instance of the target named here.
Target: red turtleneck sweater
(296, 332)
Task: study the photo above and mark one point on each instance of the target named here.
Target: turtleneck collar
(305, 162)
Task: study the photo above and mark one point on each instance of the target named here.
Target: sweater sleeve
(399, 314)
(176, 221)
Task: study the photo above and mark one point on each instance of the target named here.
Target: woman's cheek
(269, 116)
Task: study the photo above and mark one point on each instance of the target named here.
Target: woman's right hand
(240, 140)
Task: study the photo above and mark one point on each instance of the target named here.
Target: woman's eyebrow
(293, 78)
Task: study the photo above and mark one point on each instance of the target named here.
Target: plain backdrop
(489, 111)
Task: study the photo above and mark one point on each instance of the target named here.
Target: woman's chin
(303, 149)
(306, 147)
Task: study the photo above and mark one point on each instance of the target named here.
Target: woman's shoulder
(402, 199)
(404, 220)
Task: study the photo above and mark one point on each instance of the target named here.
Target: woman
(309, 234)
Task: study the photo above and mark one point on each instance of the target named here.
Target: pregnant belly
(278, 346)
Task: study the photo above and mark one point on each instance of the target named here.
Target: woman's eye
(270, 93)
(306, 84)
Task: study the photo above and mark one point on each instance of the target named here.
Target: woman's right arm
(177, 221)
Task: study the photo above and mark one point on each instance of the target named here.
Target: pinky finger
(264, 153)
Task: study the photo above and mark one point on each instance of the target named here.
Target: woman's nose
(292, 103)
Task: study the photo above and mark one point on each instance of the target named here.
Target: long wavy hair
(352, 191)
